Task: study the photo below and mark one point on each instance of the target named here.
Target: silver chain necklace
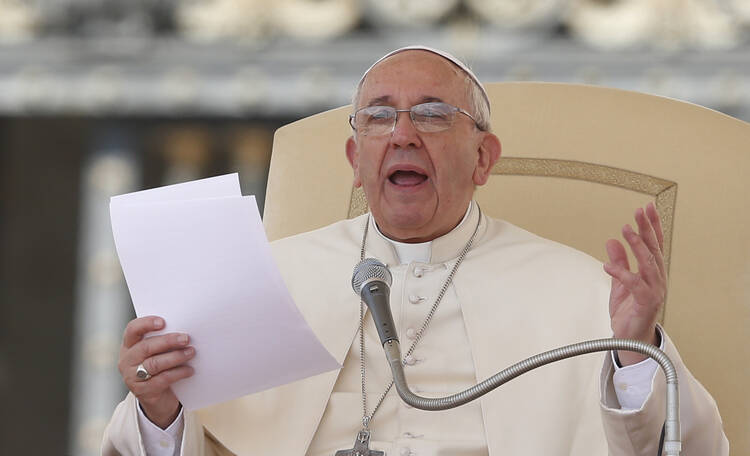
(361, 443)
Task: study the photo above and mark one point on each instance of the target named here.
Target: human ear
(352, 154)
(488, 154)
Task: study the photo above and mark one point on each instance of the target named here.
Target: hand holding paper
(163, 357)
(196, 255)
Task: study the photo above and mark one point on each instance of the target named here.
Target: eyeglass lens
(427, 117)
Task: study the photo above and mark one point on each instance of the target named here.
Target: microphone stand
(671, 437)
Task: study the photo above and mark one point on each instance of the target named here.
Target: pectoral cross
(361, 446)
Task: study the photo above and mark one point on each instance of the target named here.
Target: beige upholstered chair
(576, 162)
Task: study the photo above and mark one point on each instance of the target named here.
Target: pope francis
(471, 295)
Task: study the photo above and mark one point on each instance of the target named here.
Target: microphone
(371, 281)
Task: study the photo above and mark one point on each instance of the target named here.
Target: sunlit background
(101, 97)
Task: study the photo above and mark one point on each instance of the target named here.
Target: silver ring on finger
(141, 373)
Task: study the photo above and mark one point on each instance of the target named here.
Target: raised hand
(636, 298)
(163, 357)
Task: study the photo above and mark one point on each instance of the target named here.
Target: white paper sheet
(196, 254)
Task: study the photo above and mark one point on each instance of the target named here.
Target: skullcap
(442, 54)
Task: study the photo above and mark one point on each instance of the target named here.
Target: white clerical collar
(421, 251)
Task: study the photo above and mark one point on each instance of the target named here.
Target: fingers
(644, 294)
(653, 217)
(152, 346)
(152, 390)
(138, 327)
(646, 248)
(617, 254)
(648, 284)
(648, 267)
(165, 361)
(618, 290)
(649, 238)
(646, 231)
(164, 357)
(628, 279)
(646, 245)
(168, 377)
(636, 297)
(165, 367)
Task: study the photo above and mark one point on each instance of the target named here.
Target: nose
(405, 134)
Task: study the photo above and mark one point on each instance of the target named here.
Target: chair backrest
(577, 160)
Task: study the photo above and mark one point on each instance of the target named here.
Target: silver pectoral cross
(361, 446)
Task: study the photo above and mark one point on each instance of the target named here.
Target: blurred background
(101, 97)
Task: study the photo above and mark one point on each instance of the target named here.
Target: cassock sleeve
(122, 436)
(637, 432)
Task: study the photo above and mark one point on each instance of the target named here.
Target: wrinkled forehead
(413, 78)
(415, 72)
(458, 67)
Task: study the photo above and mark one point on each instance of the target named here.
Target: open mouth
(407, 178)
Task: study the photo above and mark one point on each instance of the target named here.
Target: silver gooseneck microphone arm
(672, 443)
(372, 280)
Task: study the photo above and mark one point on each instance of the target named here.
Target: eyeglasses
(427, 118)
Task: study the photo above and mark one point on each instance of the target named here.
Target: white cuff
(158, 441)
(633, 383)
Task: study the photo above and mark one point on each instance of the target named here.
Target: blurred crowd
(604, 24)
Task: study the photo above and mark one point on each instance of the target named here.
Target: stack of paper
(196, 255)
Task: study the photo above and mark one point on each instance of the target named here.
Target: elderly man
(471, 295)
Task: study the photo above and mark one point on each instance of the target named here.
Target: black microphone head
(367, 270)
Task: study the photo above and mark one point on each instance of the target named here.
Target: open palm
(636, 298)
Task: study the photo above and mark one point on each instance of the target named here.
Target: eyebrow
(385, 99)
(428, 99)
(379, 101)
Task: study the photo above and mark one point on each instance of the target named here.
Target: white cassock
(515, 295)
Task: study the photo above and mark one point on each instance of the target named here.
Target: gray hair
(478, 104)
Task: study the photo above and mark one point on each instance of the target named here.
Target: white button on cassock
(405, 451)
(411, 333)
(418, 272)
(411, 360)
(414, 299)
